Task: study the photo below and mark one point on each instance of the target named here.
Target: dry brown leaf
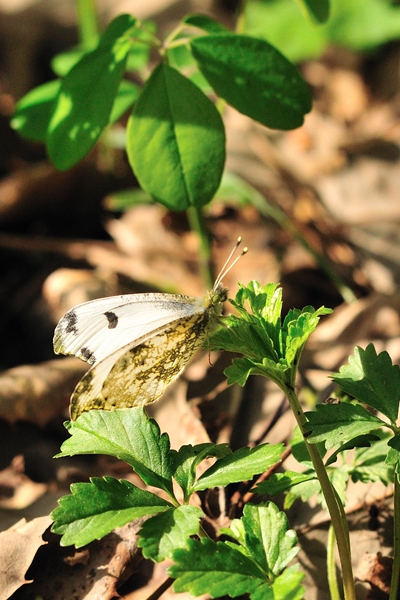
(18, 546)
(376, 570)
(38, 393)
(90, 573)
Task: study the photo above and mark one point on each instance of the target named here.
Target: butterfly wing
(137, 374)
(94, 330)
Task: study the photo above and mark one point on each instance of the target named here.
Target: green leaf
(64, 62)
(189, 457)
(271, 349)
(280, 482)
(318, 9)
(167, 531)
(287, 586)
(370, 463)
(128, 434)
(214, 568)
(94, 509)
(87, 95)
(254, 77)
(360, 441)
(240, 466)
(268, 539)
(372, 379)
(303, 491)
(176, 141)
(32, 113)
(204, 22)
(339, 423)
(126, 96)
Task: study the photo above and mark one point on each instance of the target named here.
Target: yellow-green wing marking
(138, 373)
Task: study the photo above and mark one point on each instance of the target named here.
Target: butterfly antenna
(227, 267)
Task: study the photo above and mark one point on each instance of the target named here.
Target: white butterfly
(137, 344)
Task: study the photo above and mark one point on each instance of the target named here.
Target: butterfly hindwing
(135, 376)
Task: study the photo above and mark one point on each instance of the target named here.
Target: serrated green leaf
(287, 586)
(280, 482)
(361, 441)
(370, 463)
(268, 538)
(303, 491)
(318, 9)
(175, 122)
(372, 379)
(214, 568)
(271, 349)
(189, 457)
(128, 434)
(338, 423)
(32, 113)
(87, 94)
(94, 509)
(254, 77)
(167, 531)
(239, 466)
(263, 592)
(393, 457)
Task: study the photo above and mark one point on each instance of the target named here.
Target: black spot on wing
(112, 319)
(87, 355)
(70, 322)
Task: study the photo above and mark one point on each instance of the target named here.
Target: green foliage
(252, 565)
(373, 380)
(271, 348)
(175, 122)
(356, 24)
(254, 77)
(96, 508)
(175, 135)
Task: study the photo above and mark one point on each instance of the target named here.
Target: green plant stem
(87, 23)
(331, 565)
(197, 224)
(339, 523)
(394, 584)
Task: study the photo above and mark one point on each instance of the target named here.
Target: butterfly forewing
(94, 330)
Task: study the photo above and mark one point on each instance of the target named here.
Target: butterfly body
(137, 344)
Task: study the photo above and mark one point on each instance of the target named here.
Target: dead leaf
(18, 546)
(37, 393)
(90, 573)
